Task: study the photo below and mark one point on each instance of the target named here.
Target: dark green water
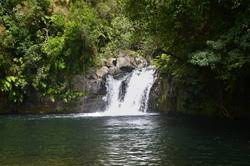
(133, 141)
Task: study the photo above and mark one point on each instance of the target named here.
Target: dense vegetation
(44, 43)
(203, 45)
(206, 46)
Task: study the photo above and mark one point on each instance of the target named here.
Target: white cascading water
(125, 96)
(134, 98)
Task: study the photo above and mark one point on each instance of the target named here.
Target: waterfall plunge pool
(115, 137)
(121, 140)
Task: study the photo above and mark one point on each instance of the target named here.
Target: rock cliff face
(171, 96)
(163, 95)
(92, 85)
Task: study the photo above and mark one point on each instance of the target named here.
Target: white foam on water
(135, 101)
(132, 102)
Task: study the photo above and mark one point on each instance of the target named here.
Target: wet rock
(114, 71)
(94, 90)
(140, 62)
(123, 88)
(163, 95)
(127, 68)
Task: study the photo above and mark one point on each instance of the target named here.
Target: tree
(206, 42)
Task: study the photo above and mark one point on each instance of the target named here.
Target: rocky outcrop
(93, 84)
(163, 95)
(122, 63)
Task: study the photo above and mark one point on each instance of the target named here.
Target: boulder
(124, 61)
(102, 71)
(114, 70)
(94, 90)
(140, 62)
(110, 62)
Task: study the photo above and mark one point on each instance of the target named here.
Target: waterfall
(129, 95)
(126, 96)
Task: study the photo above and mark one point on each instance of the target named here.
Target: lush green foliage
(44, 43)
(207, 44)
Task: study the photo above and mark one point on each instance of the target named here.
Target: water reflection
(135, 140)
(129, 141)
